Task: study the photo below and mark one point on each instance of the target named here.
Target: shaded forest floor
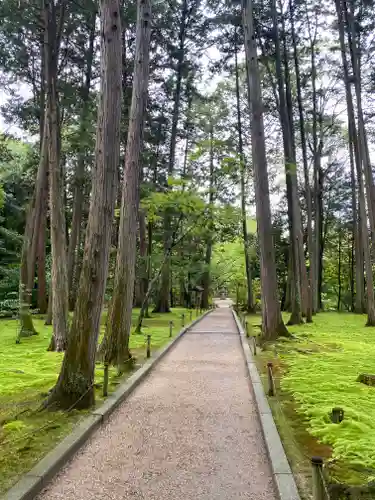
(316, 371)
(28, 371)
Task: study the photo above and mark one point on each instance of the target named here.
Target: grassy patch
(28, 371)
(317, 371)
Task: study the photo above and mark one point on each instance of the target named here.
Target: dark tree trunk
(54, 19)
(245, 237)
(310, 240)
(355, 158)
(75, 383)
(116, 341)
(272, 325)
(80, 188)
(339, 272)
(291, 181)
(207, 260)
(162, 303)
(41, 256)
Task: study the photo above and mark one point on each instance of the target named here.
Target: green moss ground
(28, 371)
(316, 371)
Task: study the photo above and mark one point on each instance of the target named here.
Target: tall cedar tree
(75, 385)
(116, 340)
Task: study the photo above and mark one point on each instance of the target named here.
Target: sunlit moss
(320, 367)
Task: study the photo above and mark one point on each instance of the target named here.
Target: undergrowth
(28, 371)
(318, 371)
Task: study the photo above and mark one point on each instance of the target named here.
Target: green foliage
(228, 268)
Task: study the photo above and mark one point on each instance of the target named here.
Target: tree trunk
(48, 320)
(57, 210)
(162, 304)
(245, 237)
(41, 256)
(310, 240)
(355, 53)
(75, 383)
(79, 177)
(356, 158)
(291, 181)
(316, 166)
(273, 325)
(116, 340)
(142, 281)
(207, 259)
(339, 272)
(31, 237)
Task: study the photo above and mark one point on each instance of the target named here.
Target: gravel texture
(189, 431)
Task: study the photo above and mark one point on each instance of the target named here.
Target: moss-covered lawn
(319, 369)
(28, 371)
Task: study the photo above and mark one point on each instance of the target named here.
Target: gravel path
(189, 431)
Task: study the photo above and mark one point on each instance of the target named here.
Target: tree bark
(355, 53)
(208, 255)
(273, 325)
(41, 256)
(53, 26)
(79, 177)
(75, 387)
(162, 304)
(354, 159)
(116, 341)
(339, 271)
(245, 236)
(291, 181)
(310, 239)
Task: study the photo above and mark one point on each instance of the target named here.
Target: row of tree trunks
(245, 236)
(75, 383)
(310, 240)
(80, 188)
(291, 181)
(162, 304)
(116, 341)
(362, 240)
(54, 19)
(207, 259)
(272, 323)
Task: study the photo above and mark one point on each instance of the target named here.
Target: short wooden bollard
(170, 328)
(182, 320)
(105, 380)
(317, 479)
(271, 383)
(337, 415)
(148, 351)
(254, 345)
(247, 329)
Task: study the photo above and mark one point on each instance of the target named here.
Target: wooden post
(247, 329)
(317, 477)
(337, 415)
(170, 328)
(148, 351)
(271, 383)
(182, 320)
(105, 380)
(254, 345)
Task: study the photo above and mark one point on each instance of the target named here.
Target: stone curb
(32, 483)
(281, 471)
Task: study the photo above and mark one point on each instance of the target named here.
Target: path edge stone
(34, 481)
(282, 473)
